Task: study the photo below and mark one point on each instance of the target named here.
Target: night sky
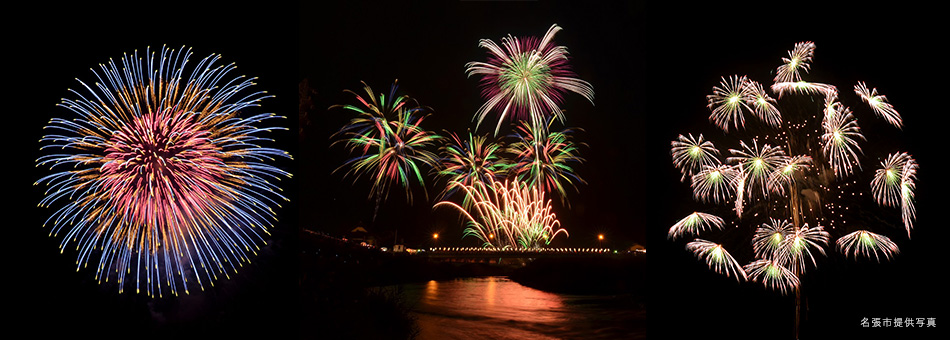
(651, 67)
(426, 47)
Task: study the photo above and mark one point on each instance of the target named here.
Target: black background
(58, 44)
(651, 66)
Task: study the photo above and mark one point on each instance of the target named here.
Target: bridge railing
(527, 253)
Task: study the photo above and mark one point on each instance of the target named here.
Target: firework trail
(526, 78)
(508, 215)
(160, 174)
(388, 140)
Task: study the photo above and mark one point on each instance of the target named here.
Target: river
(498, 308)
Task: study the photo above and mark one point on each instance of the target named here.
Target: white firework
(763, 105)
(757, 163)
(717, 258)
(728, 101)
(798, 60)
(797, 247)
(769, 237)
(715, 184)
(878, 104)
(839, 142)
(772, 274)
(695, 223)
(691, 154)
(863, 243)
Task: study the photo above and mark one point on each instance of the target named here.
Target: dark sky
(651, 67)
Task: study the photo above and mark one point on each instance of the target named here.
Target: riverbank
(340, 280)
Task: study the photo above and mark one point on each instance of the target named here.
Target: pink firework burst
(526, 78)
(162, 175)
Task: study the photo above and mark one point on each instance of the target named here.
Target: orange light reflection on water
(493, 297)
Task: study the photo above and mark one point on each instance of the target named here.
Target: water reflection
(497, 308)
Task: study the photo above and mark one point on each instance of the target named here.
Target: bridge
(493, 255)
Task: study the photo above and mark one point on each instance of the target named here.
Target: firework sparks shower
(508, 215)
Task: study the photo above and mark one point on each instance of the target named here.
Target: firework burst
(840, 139)
(797, 247)
(757, 164)
(763, 105)
(691, 154)
(716, 184)
(390, 144)
(695, 223)
(470, 161)
(526, 78)
(798, 60)
(161, 174)
(888, 183)
(786, 172)
(772, 274)
(769, 237)
(803, 87)
(737, 96)
(894, 183)
(543, 158)
(717, 258)
(728, 101)
(865, 243)
(879, 104)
